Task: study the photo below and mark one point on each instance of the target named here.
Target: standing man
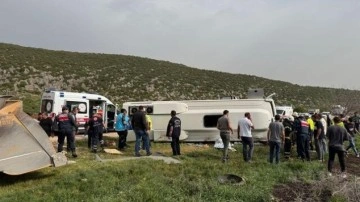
(288, 127)
(336, 135)
(141, 129)
(223, 124)
(351, 129)
(304, 139)
(66, 124)
(244, 131)
(46, 123)
(75, 127)
(174, 131)
(275, 137)
(319, 136)
(96, 126)
(121, 127)
(311, 131)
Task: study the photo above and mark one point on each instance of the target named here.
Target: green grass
(148, 180)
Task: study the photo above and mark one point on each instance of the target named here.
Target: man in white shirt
(244, 131)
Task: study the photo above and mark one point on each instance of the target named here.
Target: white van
(52, 102)
(284, 111)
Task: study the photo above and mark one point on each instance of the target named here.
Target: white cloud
(306, 42)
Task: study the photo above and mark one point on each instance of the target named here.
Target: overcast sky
(305, 42)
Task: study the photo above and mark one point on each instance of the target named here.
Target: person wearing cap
(173, 131)
(223, 124)
(65, 124)
(141, 129)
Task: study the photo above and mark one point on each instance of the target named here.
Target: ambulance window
(81, 105)
(210, 121)
(47, 106)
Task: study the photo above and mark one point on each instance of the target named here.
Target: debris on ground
(112, 151)
(167, 160)
(320, 190)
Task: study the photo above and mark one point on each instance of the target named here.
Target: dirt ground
(325, 188)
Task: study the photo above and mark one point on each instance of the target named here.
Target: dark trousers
(341, 155)
(247, 153)
(70, 140)
(304, 147)
(122, 138)
(68, 145)
(287, 147)
(89, 133)
(274, 151)
(298, 144)
(311, 140)
(175, 145)
(357, 126)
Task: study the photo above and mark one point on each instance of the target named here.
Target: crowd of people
(304, 132)
(141, 123)
(316, 132)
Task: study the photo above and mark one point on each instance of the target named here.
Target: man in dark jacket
(96, 128)
(336, 135)
(174, 131)
(141, 129)
(302, 131)
(46, 123)
(66, 124)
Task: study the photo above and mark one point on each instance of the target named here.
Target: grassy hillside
(25, 72)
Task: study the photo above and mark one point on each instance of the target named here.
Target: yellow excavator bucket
(24, 146)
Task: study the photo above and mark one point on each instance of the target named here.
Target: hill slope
(25, 72)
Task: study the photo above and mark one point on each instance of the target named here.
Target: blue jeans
(320, 150)
(274, 149)
(141, 134)
(247, 153)
(352, 145)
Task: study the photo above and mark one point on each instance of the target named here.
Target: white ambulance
(52, 102)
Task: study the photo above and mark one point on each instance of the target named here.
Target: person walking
(121, 127)
(173, 131)
(223, 124)
(141, 128)
(275, 137)
(336, 136)
(351, 129)
(66, 124)
(244, 131)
